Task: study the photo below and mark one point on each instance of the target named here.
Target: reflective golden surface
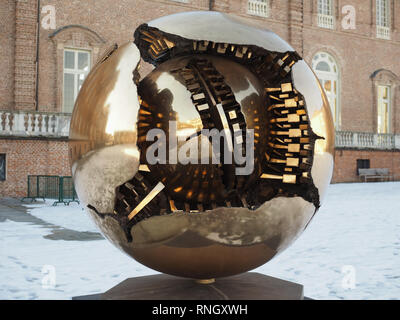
(201, 220)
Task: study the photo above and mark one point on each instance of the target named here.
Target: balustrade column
(355, 140)
(397, 142)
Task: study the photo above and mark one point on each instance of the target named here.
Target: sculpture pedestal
(247, 286)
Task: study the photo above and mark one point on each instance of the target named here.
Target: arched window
(328, 74)
(77, 49)
(385, 84)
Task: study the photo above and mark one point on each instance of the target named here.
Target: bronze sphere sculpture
(149, 174)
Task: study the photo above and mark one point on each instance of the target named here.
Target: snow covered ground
(351, 250)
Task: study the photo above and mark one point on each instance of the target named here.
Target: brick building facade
(48, 46)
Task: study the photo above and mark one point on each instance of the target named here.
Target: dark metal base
(247, 286)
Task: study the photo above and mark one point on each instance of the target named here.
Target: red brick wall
(346, 163)
(25, 54)
(7, 42)
(31, 157)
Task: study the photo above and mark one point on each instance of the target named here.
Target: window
(383, 19)
(76, 68)
(2, 167)
(363, 164)
(258, 8)
(384, 109)
(327, 72)
(325, 14)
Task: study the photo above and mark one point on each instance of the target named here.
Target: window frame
(330, 76)
(388, 101)
(325, 4)
(75, 71)
(325, 14)
(383, 16)
(363, 164)
(4, 155)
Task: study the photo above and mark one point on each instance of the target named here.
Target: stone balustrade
(34, 124)
(48, 124)
(258, 8)
(366, 140)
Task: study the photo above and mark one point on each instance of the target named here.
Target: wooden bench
(374, 173)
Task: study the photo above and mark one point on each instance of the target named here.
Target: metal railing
(366, 140)
(326, 21)
(51, 187)
(31, 123)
